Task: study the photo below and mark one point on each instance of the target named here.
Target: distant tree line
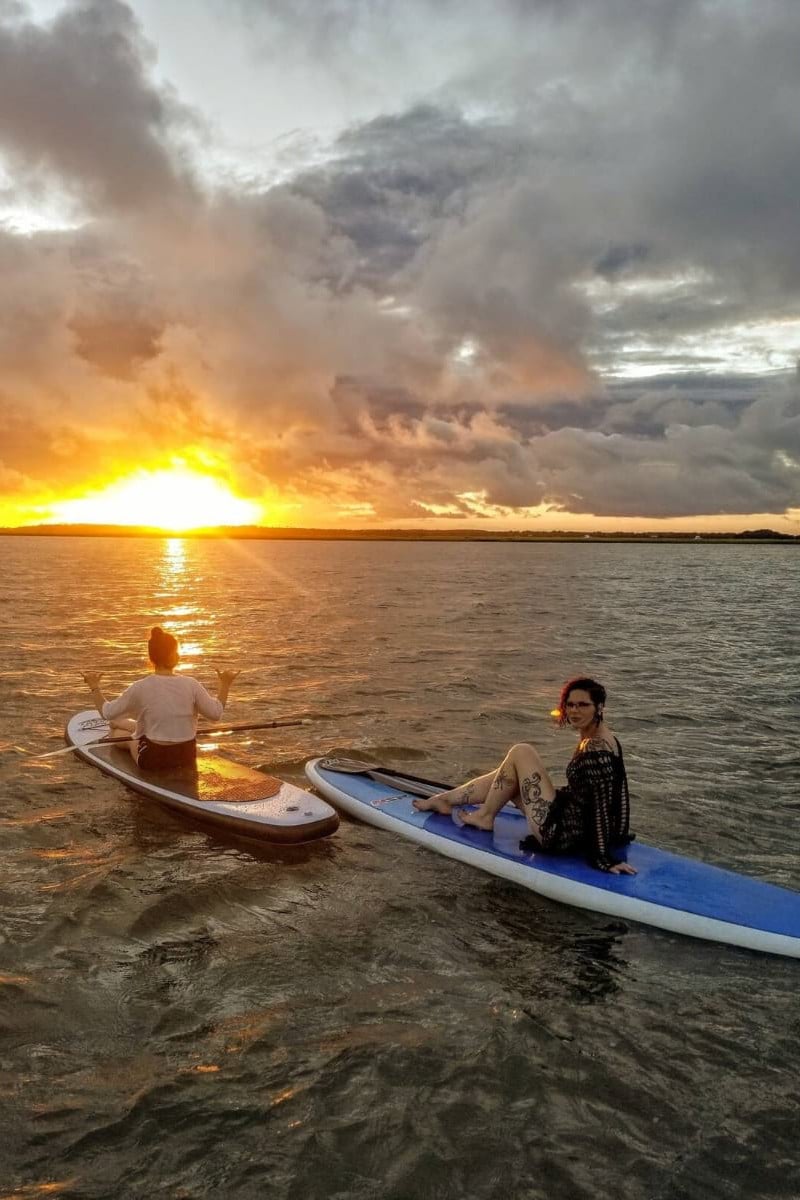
(261, 532)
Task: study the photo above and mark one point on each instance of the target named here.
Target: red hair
(581, 683)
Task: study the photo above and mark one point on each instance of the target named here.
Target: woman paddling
(165, 707)
(589, 816)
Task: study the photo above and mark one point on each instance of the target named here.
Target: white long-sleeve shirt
(166, 707)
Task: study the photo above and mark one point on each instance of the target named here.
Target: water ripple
(185, 1015)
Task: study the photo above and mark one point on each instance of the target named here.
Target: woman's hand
(621, 869)
(92, 681)
(226, 678)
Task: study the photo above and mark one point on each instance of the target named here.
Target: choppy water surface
(185, 1016)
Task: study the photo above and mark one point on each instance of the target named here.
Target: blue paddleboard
(669, 892)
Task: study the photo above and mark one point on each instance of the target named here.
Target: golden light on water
(175, 565)
(175, 499)
(50, 1187)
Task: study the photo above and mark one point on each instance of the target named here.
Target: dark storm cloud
(397, 178)
(75, 102)
(418, 319)
(457, 218)
(648, 410)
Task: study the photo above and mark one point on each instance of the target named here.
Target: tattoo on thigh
(531, 792)
(467, 794)
(502, 779)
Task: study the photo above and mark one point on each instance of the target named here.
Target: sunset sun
(174, 499)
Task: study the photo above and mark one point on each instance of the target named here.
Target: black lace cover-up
(591, 814)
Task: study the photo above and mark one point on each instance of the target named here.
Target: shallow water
(187, 1016)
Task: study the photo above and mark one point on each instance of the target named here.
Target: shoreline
(266, 533)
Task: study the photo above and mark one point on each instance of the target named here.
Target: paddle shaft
(415, 785)
(408, 783)
(202, 732)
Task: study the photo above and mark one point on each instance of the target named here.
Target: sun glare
(174, 499)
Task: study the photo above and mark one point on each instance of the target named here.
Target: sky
(527, 264)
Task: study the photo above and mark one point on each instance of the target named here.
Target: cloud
(432, 317)
(75, 103)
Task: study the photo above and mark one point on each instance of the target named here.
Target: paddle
(413, 784)
(202, 732)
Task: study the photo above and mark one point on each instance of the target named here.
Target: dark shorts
(158, 756)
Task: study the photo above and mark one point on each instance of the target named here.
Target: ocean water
(187, 1016)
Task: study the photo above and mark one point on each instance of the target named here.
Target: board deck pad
(670, 891)
(217, 789)
(213, 778)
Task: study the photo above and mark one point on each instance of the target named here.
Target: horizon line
(286, 532)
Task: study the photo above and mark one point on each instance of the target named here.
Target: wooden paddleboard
(670, 891)
(220, 791)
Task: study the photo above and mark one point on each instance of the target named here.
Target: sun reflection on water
(174, 564)
(189, 650)
(177, 608)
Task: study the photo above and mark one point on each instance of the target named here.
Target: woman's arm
(596, 784)
(209, 706)
(110, 709)
(92, 681)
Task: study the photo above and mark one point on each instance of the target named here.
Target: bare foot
(477, 819)
(437, 803)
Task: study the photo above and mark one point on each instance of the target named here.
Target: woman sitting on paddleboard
(589, 816)
(165, 706)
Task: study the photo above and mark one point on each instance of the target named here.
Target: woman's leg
(474, 791)
(121, 725)
(522, 779)
(125, 725)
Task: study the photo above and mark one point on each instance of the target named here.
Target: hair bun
(162, 647)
